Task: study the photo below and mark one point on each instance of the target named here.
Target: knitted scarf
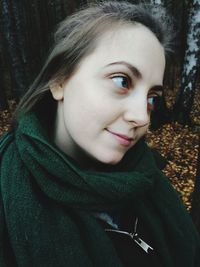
(47, 205)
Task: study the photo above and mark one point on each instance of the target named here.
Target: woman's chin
(99, 158)
(110, 159)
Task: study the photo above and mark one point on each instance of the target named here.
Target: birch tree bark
(157, 2)
(190, 66)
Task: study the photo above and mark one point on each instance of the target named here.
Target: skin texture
(110, 94)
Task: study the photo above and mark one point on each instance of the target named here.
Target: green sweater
(47, 205)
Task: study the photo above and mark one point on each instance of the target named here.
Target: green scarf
(47, 203)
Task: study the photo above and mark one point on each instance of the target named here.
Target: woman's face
(104, 108)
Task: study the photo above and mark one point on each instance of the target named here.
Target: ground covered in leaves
(176, 143)
(179, 146)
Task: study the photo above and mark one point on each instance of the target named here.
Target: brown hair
(77, 36)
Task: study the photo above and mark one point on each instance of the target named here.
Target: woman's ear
(57, 91)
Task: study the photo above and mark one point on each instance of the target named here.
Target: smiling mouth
(123, 139)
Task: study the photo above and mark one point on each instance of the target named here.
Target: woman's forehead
(127, 35)
(134, 43)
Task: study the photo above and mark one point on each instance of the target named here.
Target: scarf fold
(47, 203)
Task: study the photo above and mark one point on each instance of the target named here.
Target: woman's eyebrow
(133, 69)
(157, 88)
(135, 72)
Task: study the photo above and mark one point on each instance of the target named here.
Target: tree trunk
(3, 97)
(190, 66)
(161, 115)
(14, 45)
(157, 2)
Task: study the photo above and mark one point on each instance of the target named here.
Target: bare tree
(14, 48)
(3, 97)
(190, 65)
(157, 2)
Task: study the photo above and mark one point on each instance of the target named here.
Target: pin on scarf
(147, 248)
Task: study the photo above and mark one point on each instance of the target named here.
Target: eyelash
(122, 76)
(154, 97)
(152, 106)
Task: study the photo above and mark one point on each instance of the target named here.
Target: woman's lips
(123, 139)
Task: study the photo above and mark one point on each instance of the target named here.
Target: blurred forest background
(26, 34)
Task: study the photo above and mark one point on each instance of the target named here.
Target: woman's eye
(153, 102)
(121, 81)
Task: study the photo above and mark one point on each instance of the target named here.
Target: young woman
(79, 185)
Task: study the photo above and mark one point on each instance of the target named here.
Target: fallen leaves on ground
(178, 144)
(5, 117)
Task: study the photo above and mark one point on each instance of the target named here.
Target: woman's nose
(136, 112)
